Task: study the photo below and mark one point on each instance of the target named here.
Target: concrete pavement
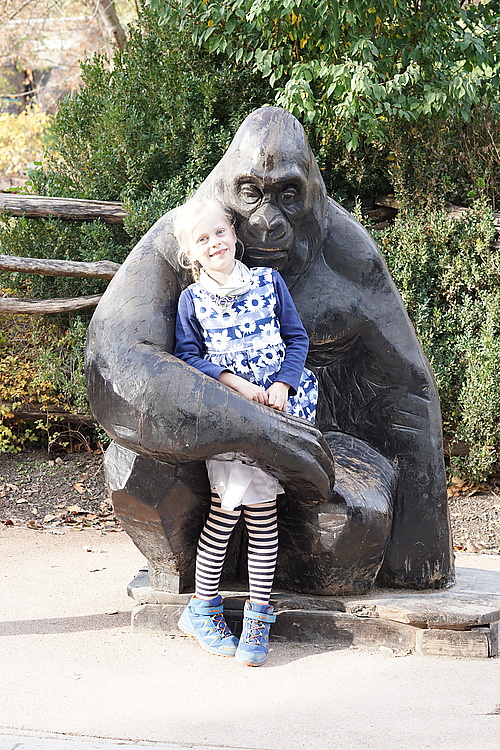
(74, 677)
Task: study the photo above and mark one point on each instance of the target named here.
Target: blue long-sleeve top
(190, 345)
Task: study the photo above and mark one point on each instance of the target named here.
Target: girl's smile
(212, 244)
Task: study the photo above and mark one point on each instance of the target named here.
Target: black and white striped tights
(262, 526)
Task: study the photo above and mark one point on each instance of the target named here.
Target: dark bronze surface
(378, 411)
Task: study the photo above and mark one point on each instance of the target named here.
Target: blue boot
(254, 641)
(205, 622)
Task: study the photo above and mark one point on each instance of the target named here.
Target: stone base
(460, 621)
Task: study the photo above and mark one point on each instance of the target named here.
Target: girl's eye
(220, 231)
(201, 240)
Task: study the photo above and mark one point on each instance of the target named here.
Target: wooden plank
(457, 212)
(35, 411)
(46, 306)
(327, 627)
(69, 209)
(342, 629)
(494, 638)
(470, 643)
(101, 269)
(387, 200)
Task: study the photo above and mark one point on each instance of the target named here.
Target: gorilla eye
(250, 193)
(289, 195)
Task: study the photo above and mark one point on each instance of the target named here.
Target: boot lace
(255, 631)
(221, 625)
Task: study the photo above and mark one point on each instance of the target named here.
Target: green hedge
(448, 273)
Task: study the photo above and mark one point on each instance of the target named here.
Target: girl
(240, 326)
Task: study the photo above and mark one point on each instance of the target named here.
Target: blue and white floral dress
(258, 336)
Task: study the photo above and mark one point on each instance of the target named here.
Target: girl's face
(213, 243)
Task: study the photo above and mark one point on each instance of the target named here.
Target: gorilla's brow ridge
(294, 180)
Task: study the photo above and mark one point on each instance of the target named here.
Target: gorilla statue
(385, 517)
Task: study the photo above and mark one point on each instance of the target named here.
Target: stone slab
(469, 643)
(460, 621)
(321, 627)
(472, 602)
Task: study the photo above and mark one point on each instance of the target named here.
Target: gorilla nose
(269, 221)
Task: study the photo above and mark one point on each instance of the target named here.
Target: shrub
(448, 273)
(41, 363)
(356, 66)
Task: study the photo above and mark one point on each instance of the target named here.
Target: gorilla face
(271, 181)
(269, 210)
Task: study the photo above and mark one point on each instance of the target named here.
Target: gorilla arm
(380, 388)
(153, 403)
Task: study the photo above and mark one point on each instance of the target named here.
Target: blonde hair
(185, 219)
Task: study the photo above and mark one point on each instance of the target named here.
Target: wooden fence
(68, 209)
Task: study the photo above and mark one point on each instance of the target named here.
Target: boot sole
(206, 648)
(248, 663)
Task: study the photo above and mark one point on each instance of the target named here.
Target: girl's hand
(277, 395)
(243, 387)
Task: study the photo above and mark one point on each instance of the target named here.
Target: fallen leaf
(79, 487)
(74, 509)
(32, 524)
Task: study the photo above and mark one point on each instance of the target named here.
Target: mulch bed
(50, 492)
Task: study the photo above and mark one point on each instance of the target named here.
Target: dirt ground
(49, 492)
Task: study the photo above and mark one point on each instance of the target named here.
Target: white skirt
(237, 481)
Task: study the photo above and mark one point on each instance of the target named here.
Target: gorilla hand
(298, 455)
(192, 417)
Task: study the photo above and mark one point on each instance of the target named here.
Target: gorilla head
(271, 181)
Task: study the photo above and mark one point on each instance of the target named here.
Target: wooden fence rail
(102, 269)
(69, 209)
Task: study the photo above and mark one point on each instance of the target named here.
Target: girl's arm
(189, 344)
(190, 348)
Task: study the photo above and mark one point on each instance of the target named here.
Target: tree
(356, 65)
